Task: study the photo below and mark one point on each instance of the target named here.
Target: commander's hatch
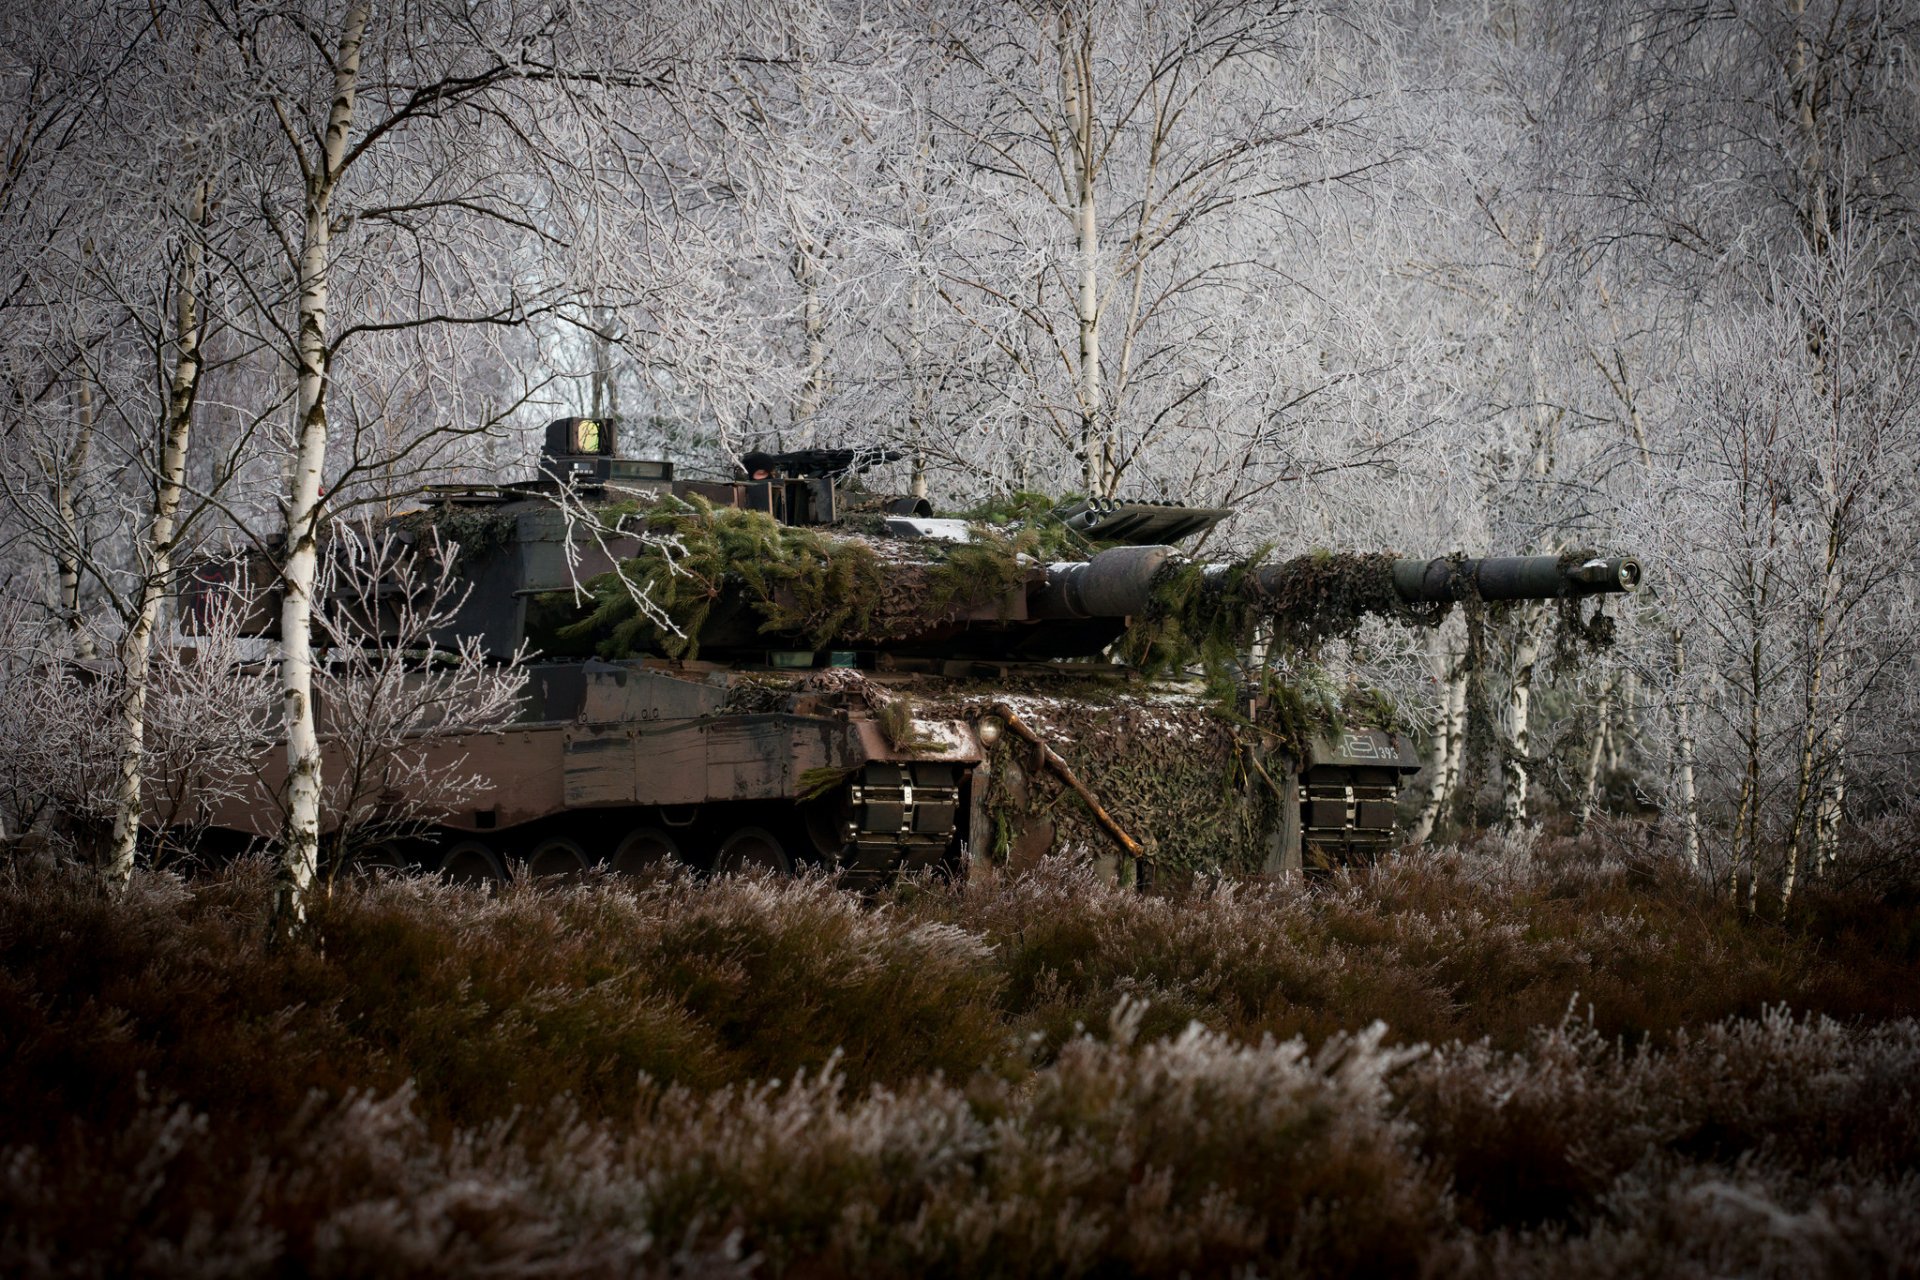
(1142, 524)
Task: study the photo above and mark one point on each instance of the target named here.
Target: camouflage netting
(1172, 770)
(1210, 618)
(822, 588)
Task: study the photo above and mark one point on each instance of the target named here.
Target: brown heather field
(1558, 1060)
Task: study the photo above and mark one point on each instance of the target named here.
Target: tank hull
(604, 749)
(622, 763)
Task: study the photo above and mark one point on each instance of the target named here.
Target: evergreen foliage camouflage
(476, 532)
(800, 582)
(1203, 616)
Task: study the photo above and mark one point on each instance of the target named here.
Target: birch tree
(1759, 149)
(121, 299)
(1133, 154)
(409, 119)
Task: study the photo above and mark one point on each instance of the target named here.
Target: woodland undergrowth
(1532, 1057)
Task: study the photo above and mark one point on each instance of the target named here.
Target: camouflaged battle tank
(824, 675)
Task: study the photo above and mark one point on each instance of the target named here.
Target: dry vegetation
(1549, 1059)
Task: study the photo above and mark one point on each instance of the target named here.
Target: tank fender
(947, 741)
(631, 693)
(738, 757)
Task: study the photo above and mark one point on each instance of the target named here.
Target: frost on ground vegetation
(1438, 1068)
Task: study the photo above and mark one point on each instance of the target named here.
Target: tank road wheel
(644, 849)
(556, 856)
(829, 826)
(473, 862)
(752, 849)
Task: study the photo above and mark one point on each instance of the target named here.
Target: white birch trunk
(300, 853)
(605, 381)
(130, 710)
(813, 319)
(1450, 735)
(1682, 707)
(1811, 757)
(1516, 727)
(1683, 727)
(1621, 718)
(1597, 751)
(1831, 809)
(921, 406)
(1076, 75)
(1749, 811)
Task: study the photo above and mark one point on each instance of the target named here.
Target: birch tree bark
(1516, 716)
(156, 582)
(301, 849)
(1449, 666)
(1597, 751)
(1130, 162)
(1683, 729)
(1075, 53)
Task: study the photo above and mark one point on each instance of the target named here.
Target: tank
(835, 677)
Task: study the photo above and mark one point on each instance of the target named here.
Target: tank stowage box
(785, 669)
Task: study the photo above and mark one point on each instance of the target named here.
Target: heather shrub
(1455, 944)
(1190, 1154)
(490, 1005)
(791, 974)
(1028, 1076)
(1545, 1134)
(166, 988)
(1687, 1219)
(357, 1186)
(495, 1005)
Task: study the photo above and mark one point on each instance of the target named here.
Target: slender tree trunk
(921, 405)
(1817, 222)
(1076, 76)
(1816, 217)
(1811, 757)
(1682, 707)
(605, 383)
(1450, 734)
(1596, 753)
(813, 320)
(1531, 620)
(1515, 766)
(67, 476)
(914, 202)
(1683, 727)
(1830, 809)
(1622, 715)
(136, 643)
(300, 854)
(1750, 785)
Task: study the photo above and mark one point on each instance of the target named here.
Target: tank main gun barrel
(1441, 579)
(1118, 583)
